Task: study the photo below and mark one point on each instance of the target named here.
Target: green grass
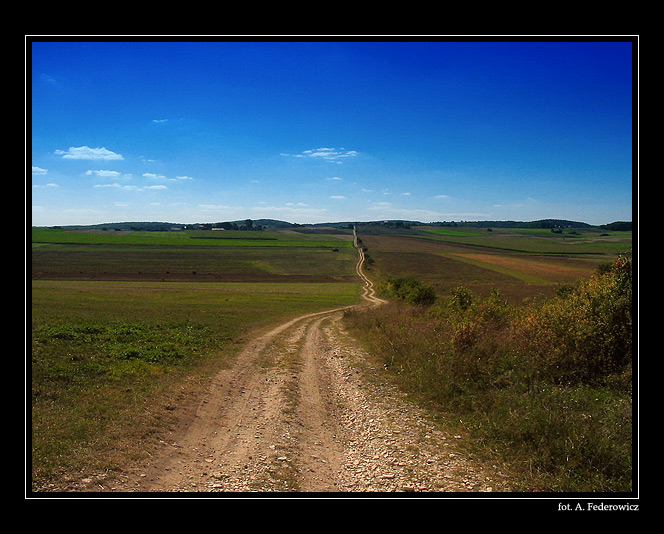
(126, 326)
(256, 303)
(230, 238)
(112, 360)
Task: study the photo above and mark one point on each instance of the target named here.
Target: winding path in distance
(369, 291)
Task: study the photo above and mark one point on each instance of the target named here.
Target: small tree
(409, 290)
(462, 298)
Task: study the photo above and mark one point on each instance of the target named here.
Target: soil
(299, 411)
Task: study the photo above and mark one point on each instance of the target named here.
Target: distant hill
(151, 226)
(265, 224)
(623, 226)
(124, 226)
(543, 223)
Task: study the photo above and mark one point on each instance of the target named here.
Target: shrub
(409, 290)
(462, 299)
(584, 334)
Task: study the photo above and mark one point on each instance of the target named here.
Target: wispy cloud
(153, 176)
(38, 170)
(48, 79)
(103, 174)
(85, 152)
(338, 197)
(333, 155)
(116, 185)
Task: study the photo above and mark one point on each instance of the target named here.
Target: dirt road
(296, 413)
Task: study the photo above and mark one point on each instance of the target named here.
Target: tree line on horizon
(262, 224)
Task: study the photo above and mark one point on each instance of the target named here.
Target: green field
(521, 263)
(127, 325)
(198, 263)
(571, 241)
(207, 238)
(235, 256)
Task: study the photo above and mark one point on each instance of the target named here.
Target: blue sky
(327, 131)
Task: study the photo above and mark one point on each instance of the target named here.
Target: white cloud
(153, 176)
(325, 154)
(118, 186)
(441, 196)
(103, 174)
(49, 79)
(38, 170)
(85, 152)
(159, 121)
(338, 197)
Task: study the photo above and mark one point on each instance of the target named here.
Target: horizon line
(348, 221)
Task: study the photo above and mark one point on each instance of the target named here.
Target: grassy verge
(547, 386)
